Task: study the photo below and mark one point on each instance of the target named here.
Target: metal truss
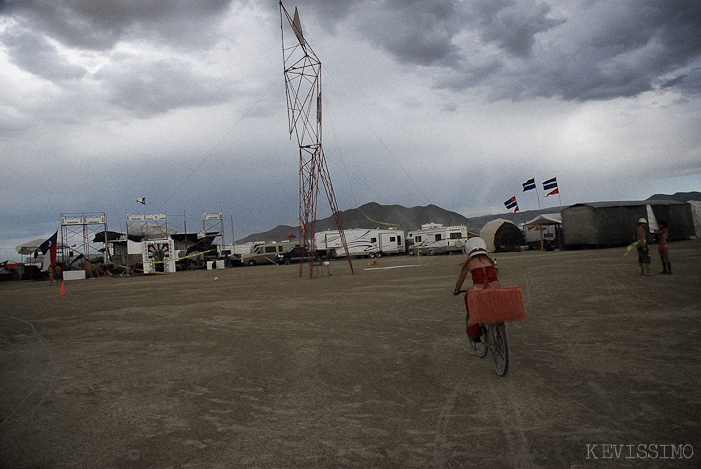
(303, 90)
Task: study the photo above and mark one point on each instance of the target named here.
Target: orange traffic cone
(63, 288)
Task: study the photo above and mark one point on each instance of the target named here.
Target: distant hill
(679, 196)
(374, 215)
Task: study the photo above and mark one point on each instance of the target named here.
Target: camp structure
(547, 226)
(502, 235)
(608, 224)
(149, 249)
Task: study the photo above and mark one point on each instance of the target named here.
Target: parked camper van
(265, 253)
(362, 242)
(434, 238)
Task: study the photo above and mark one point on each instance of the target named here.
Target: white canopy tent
(31, 247)
(542, 220)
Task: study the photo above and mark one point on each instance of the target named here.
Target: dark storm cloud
(414, 32)
(511, 25)
(97, 25)
(604, 50)
(516, 49)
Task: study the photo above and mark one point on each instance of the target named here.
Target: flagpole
(537, 196)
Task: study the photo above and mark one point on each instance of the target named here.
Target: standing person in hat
(643, 250)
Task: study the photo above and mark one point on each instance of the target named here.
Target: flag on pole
(49, 246)
(556, 191)
(142, 200)
(550, 184)
(529, 185)
(511, 203)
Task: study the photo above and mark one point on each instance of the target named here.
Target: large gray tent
(602, 224)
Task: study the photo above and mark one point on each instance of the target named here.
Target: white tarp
(149, 230)
(696, 214)
(545, 219)
(30, 247)
(651, 220)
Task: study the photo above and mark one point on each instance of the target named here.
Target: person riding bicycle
(484, 275)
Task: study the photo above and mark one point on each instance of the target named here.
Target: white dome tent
(501, 235)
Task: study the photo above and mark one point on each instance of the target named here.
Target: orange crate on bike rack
(495, 305)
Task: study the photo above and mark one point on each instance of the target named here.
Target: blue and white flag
(550, 184)
(529, 185)
(511, 203)
(48, 249)
(49, 243)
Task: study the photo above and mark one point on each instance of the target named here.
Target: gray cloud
(148, 86)
(35, 54)
(510, 24)
(604, 51)
(519, 49)
(95, 25)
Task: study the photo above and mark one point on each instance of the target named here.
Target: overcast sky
(445, 102)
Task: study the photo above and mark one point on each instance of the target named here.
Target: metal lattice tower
(303, 89)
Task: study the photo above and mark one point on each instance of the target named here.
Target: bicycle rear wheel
(500, 348)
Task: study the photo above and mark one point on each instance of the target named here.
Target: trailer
(434, 239)
(362, 242)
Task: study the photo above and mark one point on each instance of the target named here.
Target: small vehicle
(232, 261)
(265, 253)
(293, 255)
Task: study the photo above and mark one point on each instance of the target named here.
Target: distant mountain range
(374, 215)
(679, 196)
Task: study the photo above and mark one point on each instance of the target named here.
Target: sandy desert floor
(257, 367)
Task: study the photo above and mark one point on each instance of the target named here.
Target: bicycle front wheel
(500, 348)
(479, 347)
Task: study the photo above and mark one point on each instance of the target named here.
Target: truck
(362, 242)
(434, 239)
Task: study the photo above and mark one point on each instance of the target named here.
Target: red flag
(556, 191)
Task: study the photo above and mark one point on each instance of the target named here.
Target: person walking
(663, 248)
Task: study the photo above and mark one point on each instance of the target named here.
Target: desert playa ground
(258, 367)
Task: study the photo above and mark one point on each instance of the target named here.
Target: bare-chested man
(643, 251)
(663, 249)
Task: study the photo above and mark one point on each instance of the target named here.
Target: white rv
(361, 242)
(434, 238)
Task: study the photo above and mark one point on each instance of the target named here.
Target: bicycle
(493, 339)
